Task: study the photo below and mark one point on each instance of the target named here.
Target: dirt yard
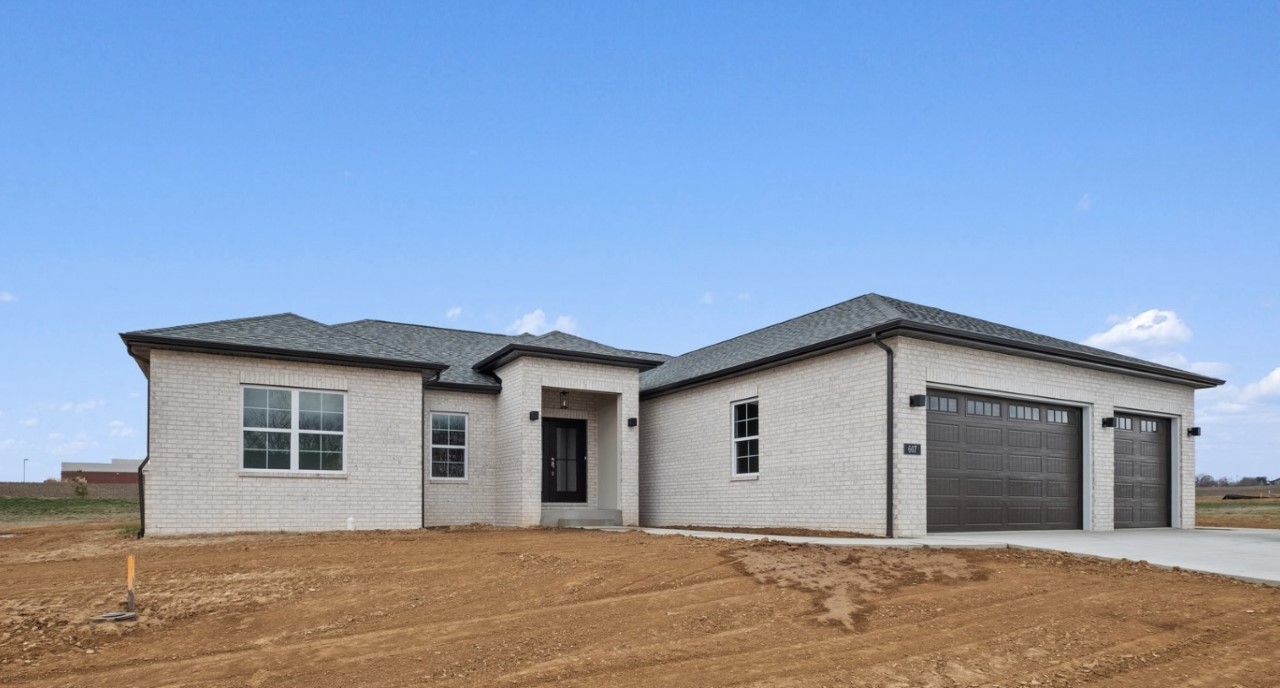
(498, 607)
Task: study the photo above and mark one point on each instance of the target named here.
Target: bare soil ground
(506, 607)
(1214, 511)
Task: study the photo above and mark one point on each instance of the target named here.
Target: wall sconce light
(564, 399)
(918, 400)
(632, 422)
(533, 415)
(1193, 431)
(1109, 422)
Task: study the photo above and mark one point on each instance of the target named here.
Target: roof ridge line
(223, 321)
(427, 327)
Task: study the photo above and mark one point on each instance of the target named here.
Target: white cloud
(535, 322)
(1177, 360)
(134, 395)
(117, 428)
(5, 444)
(81, 406)
(744, 297)
(707, 298)
(29, 422)
(1150, 329)
(1268, 386)
(453, 313)
(6, 297)
(55, 436)
(1085, 204)
(566, 323)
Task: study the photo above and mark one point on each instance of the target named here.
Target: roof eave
(945, 335)
(221, 348)
(511, 352)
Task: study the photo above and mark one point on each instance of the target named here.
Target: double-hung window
(746, 437)
(449, 445)
(293, 429)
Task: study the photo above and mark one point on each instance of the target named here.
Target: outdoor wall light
(533, 415)
(1109, 422)
(918, 400)
(564, 399)
(632, 422)
(1193, 431)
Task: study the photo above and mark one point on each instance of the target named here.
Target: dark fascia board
(463, 387)
(511, 352)
(218, 348)
(947, 336)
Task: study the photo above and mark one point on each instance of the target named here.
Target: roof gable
(854, 321)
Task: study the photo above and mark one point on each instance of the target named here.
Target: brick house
(873, 415)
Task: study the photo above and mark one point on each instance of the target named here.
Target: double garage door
(1006, 464)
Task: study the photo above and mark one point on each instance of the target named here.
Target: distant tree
(1206, 480)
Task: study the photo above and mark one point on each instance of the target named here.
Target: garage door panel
(1019, 470)
(991, 437)
(1063, 443)
(1024, 440)
(1025, 464)
(976, 487)
(1059, 466)
(943, 459)
(976, 461)
(1143, 475)
(1060, 490)
(944, 487)
(943, 432)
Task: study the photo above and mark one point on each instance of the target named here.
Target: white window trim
(734, 440)
(293, 434)
(466, 447)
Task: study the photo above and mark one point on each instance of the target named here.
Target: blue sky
(654, 175)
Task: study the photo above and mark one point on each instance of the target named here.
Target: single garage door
(1142, 471)
(1002, 464)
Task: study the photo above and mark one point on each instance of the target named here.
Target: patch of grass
(1241, 513)
(75, 508)
(130, 530)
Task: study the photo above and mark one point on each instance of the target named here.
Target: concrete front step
(578, 518)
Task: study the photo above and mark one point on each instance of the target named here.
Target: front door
(564, 460)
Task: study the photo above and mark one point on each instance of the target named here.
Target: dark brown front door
(1142, 472)
(564, 460)
(1002, 464)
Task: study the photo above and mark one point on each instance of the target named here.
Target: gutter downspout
(888, 433)
(142, 494)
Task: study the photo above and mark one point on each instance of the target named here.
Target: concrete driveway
(1245, 553)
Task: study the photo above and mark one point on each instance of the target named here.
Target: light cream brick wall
(194, 481)
(520, 440)
(822, 443)
(922, 364)
(473, 500)
(822, 451)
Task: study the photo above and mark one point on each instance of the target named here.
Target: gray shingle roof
(460, 349)
(286, 333)
(859, 317)
(463, 349)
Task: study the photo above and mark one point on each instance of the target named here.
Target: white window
(292, 429)
(448, 445)
(746, 437)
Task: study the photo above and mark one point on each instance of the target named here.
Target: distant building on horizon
(118, 472)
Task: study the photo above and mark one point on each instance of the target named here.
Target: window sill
(447, 481)
(321, 475)
(744, 476)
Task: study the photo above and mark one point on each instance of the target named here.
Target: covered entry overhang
(568, 436)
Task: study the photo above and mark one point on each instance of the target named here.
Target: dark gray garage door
(1142, 472)
(1001, 464)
